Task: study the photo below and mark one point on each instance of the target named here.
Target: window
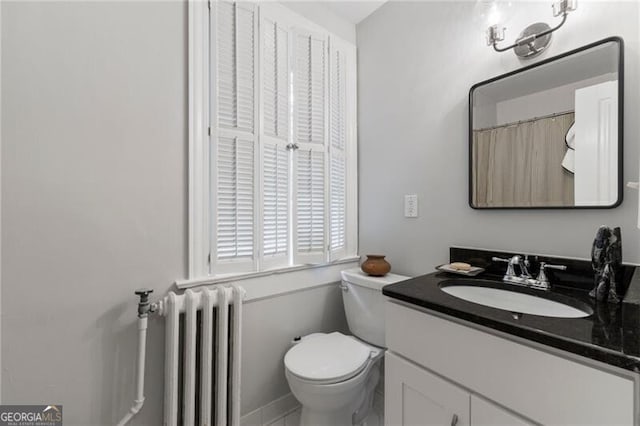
(273, 173)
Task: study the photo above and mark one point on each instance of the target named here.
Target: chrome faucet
(524, 266)
(525, 278)
(542, 277)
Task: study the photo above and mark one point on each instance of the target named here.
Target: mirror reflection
(547, 136)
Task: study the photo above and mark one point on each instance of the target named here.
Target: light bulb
(563, 7)
(495, 33)
(494, 16)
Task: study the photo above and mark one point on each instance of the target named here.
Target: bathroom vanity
(454, 362)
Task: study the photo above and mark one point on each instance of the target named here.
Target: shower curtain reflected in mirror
(520, 164)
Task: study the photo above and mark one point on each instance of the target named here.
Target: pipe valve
(145, 307)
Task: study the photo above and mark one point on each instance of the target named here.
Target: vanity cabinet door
(414, 396)
(484, 413)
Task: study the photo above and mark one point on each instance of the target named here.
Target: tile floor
(376, 418)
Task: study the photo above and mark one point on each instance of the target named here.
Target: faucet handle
(547, 266)
(510, 271)
(542, 276)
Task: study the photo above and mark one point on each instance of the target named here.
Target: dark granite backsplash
(578, 275)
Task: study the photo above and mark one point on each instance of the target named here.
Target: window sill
(265, 284)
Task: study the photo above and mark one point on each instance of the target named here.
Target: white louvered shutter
(310, 136)
(281, 149)
(337, 152)
(234, 138)
(275, 78)
(235, 165)
(275, 137)
(275, 193)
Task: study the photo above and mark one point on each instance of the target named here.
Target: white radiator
(202, 357)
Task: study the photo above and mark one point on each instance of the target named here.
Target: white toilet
(334, 376)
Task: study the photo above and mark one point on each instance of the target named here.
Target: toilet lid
(330, 357)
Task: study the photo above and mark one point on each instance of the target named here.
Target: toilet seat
(328, 358)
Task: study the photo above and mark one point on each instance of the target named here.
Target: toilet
(334, 375)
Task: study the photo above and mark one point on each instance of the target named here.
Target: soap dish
(475, 270)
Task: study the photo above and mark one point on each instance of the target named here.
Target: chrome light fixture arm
(536, 37)
(524, 41)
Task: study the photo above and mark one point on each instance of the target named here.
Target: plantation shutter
(337, 152)
(234, 138)
(310, 133)
(275, 77)
(275, 137)
(281, 153)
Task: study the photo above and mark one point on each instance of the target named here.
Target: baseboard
(271, 412)
(285, 411)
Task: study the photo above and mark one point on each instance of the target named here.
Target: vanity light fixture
(536, 37)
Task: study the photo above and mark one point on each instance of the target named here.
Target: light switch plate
(411, 205)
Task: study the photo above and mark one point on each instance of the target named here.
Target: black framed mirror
(550, 135)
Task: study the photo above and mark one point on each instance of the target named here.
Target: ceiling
(353, 11)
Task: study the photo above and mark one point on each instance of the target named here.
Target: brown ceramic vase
(375, 265)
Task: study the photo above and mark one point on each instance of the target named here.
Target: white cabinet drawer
(541, 386)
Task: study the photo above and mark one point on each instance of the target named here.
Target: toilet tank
(364, 304)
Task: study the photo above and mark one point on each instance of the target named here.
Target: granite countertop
(610, 335)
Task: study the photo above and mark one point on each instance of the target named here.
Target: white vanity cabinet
(414, 396)
(484, 413)
(443, 372)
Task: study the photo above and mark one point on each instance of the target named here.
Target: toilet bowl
(334, 376)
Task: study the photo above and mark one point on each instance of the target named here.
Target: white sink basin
(513, 301)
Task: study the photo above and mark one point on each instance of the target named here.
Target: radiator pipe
(144, 309)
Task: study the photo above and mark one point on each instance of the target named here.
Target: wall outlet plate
(411, 205)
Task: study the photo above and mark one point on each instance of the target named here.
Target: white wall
(93, 191)
(94, 144)
(271, 324)
(417, 61)
(485, 111)
(558, 99)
